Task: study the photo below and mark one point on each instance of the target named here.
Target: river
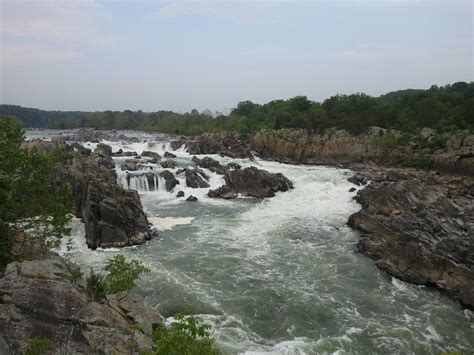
(280, 275)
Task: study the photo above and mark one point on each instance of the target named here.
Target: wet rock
(191, 198)
(155, 157)
(113, 217)
(131, 165)
(169, 155)
(419, 232)
(180, 194)
(233, 166)
(168, 164)
(224, 192)
(352, 189)
(80, 148)
(211, 164)
(194, 179)
(103, 149)
(170, 180)
(358, 179)
(251, 182)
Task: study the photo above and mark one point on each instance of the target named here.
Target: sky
(178, 55)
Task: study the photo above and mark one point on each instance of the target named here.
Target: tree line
(444, 108)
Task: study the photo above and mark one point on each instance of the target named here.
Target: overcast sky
(179, 55)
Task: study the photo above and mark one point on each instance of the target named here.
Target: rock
(155, 157)
(233, 166)
(194, 179)
(40, 300)
(131, 165)
(211, 164)
(103, 149)
(168, 164)
(180, 194)
(251, 182)
(224, 192)
(170, 180)
(227, 144)
(427, 132)
(113, 217)
(169, 155)
(191, 198)
(80, 148)
(419, 231)
(358, 180)
(352, 189)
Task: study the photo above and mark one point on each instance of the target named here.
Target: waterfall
(142, 182)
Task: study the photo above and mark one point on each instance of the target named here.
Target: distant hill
(33, 117)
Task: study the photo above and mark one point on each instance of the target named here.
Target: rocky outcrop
(131, 165)
(40, 299)
(103, 149)
(170, 180)
(251, 182)
(228, 144)
(419, 227)
(113, 217)
(211, 164)
(459, 155)
(169, 155)
(194, 179)
(154, 157)
(168, 164)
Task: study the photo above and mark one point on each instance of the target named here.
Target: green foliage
(187, 336)
(444, 108)
(123, 274)
(96, 285)
(27, 201)
(38, 346)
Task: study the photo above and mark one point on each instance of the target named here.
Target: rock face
(170, 180)
(231, 145)
(211, 164)
(195, 179)
(131, 165)
(419, 227)
(251, 182)
(459, 156)
(38, 299)
(113, 217)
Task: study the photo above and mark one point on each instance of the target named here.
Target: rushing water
(280, 275)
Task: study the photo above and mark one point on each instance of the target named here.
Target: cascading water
(281, 275)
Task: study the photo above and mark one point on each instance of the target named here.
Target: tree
(28, 204)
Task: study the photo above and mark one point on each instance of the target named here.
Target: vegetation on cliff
(27, 202)
(445, 108)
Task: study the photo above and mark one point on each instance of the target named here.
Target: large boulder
(113, 217)
(252, 182)
(168, 164)
(228, 144)
(40, 299)
(211, 164)
(194, 179)
(420, 231)
(131, 165)
(154, 157)
(103, 149)
(170, 180)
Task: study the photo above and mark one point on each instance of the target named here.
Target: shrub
(96, 285)
(187, 336)
(38, 346)
(123, 274)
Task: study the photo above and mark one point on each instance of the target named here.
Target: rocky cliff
(113, 217)
(41, 302)
(419, 227)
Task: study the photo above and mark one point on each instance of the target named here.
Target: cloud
(48, 30)
(239, 12)
(25, 53)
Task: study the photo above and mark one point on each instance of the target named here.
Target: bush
(123, 274)
(96, 285)
(38, 346)
(187, 336)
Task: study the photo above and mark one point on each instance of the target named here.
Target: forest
(445, 108)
